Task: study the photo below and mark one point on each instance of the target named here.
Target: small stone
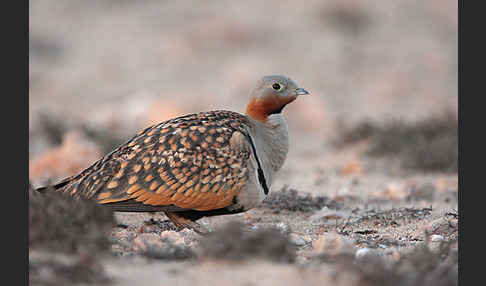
(362, 252)
(453, 223)
(283, 227)
(297, 240)
(436, 238)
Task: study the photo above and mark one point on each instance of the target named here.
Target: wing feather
(198, 161)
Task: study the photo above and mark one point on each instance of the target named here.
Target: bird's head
(270, 95)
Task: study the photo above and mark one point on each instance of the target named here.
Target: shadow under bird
(197, 165)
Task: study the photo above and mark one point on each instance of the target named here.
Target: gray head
(270, 95)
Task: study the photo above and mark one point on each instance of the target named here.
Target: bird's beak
(300, 91)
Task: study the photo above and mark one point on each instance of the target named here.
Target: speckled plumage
(188, 162)
(202, 164)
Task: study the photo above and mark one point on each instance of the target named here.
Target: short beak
(300, 91)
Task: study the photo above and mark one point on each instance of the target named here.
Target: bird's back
(197, 161)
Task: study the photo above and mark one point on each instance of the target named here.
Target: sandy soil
(102, 70)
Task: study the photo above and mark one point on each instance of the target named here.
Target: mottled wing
(198, 161)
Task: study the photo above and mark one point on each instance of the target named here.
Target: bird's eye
(277, 86)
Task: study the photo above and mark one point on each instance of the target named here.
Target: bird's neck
(262, 108)
(272, 143)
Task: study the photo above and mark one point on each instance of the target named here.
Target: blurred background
(99, 71)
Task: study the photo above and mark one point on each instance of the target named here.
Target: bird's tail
(55, 186)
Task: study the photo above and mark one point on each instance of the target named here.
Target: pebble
(362, 252)
(436, 237)
(297, 240)
(283, 227)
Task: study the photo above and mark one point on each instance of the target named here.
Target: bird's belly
(250, 196)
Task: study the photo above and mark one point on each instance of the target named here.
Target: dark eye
(276, 86)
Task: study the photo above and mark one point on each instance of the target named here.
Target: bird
(197, 165)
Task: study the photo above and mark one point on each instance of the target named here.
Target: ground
(299, 234)
(368, 194)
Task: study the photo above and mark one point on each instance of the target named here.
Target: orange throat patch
(260, 108)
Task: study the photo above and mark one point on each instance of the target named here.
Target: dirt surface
(368, 194)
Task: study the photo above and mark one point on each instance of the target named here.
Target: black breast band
(261, 175)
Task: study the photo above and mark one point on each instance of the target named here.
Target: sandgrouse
(205, 164)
